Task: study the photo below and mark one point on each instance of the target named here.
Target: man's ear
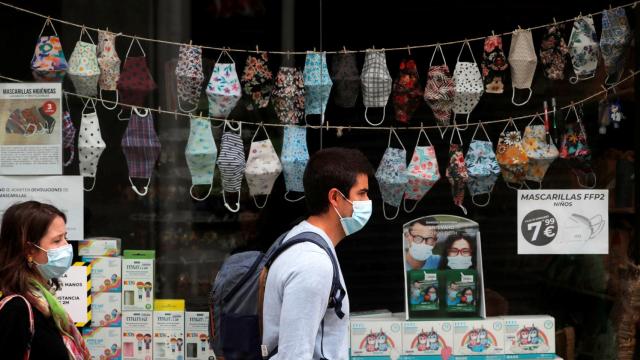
(333, 195)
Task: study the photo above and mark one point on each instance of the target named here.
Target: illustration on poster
(583, 228)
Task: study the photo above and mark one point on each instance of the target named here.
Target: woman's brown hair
(22, 224)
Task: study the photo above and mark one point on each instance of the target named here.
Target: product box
(379, 337)
(370, 314)
(197, 336)
(526, 335)
(106, 274)
(478, 339)
(137, 330)
(461, 290)
(427, 339)
(168, 330)
(107, 310)
(424, 290)
(138, 280)
(99, 246)
(104, 343)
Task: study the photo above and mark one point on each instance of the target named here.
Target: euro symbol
(548, 232)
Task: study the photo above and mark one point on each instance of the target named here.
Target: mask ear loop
(384, 212)
(466, 120)
(260, 126)
(436, 49)
(454, 131)
(135, 38)
(135, 189)
(237, 208)
(513, 94)
(481, 126)
(366, 118)
(224, 51)
(116, 102)
(485, 204)
(84, 30)
(266, 199)
(197, 198)
(93, 105)
(227, 123)
(93, 185)
(588, 175)
(292, 200)
(599, 226)
(393, 131)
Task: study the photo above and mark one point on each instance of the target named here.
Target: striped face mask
(231, 163)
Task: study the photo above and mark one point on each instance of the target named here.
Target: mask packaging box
(168, 330)
(103, 342)
(106, 310)
(138, 280)
(379, 337)
(461, 291)
(99, 246)
(197, 336)
(423, 290)
(370, 314)
(478, 339)
(106, 274)
(527, 335)
(427, 339)
(137, 330)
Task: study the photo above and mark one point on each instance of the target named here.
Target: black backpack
(237, 295)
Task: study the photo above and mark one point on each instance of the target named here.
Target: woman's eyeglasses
(455, 252)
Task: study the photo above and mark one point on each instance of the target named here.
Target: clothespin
(107, 29)
(339, 131)
(314, 49)
(493, 33)
(519, 28)
(409, 50)
(190, 42)
(554, 21)
(257, 50)
(327, 125)
(606, 91)
(344, 49)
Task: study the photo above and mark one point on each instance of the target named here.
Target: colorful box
(461, 290)
(424, 290)
(107, 310)
(99, 246)
(106, 274)
(378, 337)
(138, 280)
(478, 339)
(197, 336)
(427, 339)
(137, 330)
(104, 342)
(529, 335)
(168, 333)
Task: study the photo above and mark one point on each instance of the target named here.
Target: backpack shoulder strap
(32, 329)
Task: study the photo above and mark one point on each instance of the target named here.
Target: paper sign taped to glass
(75, 293)
(30, 130)
(563, 221)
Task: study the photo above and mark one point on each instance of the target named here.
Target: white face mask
(459, 262)
(583, 228)
(420, 252)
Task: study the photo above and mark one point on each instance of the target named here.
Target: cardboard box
(473, 338)
(138, 280)
(103, 342)
(376, 337)
(427, 339)
(107, 310)
(525, 335)
(137, 330)
(106, 274)
(168, 335)
(99, 246)
(197, 336)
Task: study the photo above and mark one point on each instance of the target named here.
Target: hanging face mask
(575, 149)
(541, 153)
(422, 172)
(288, 95)
(407, 91)
(68, 134)
(295, 156)
(469, 85)
(109, 64)
(135, 81)
(231, 163)
(584, 50)
(553, 52)
(614, 40)
(581, 228)
(90, 144)
(48, 62)
(440, 91)
(201, 154)
(392, 176)
(512, 157)
(223, 90)
(257, 81)
(457, 170)
(141, 147)
(482, 167)
(189, 77)
(263, 167)
(83, 66)
(58, 261)
(376, 83)
(523, 60)
(317, 84)
(494, 65)
(346, 79)
(362, 210)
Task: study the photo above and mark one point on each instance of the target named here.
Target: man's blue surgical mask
(361, 213)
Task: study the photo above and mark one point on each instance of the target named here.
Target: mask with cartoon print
(482, 167)
(512, 157)
(422, 172)
(540, 150)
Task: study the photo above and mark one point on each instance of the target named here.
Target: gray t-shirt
(296, 299)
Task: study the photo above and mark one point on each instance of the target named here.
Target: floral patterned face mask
(553, 52)
(392, 176)
(317, 84)
(469, 85)
(584, 49)
(614, 41)
(223, 89)
(189, 77)
(440, 91)
(257, 81)
(48, 62)
(346, 79)
(482, 167)
(494, 65)
(288, 95)
(109, 63)
(540, 151)
(512, 157)
(407, 92)
(422, 172)
(83, 66)
(575, 149)
(457, 172)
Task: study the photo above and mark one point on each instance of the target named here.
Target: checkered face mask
(376, 83)
(141, 147)
(295, 156)
(392, 176)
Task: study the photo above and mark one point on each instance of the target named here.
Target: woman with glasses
(459, 252)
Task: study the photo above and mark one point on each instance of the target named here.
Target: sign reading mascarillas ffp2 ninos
(563, 222)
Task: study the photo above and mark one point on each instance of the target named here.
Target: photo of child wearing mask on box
(420, 237)
(459, 253)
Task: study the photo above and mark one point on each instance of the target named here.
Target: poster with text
(63, 192)
(30, 129)
(563, 221)
(75, 293)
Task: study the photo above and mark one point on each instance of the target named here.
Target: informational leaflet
(30, 129)
(75, 293)
(563, 221)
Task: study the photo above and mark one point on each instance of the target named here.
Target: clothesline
(258, 50)
(605, 91)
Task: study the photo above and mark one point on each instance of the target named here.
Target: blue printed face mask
(361, 213)
(58, 261)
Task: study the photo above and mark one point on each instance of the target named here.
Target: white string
(257, 51)
(327, 126)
